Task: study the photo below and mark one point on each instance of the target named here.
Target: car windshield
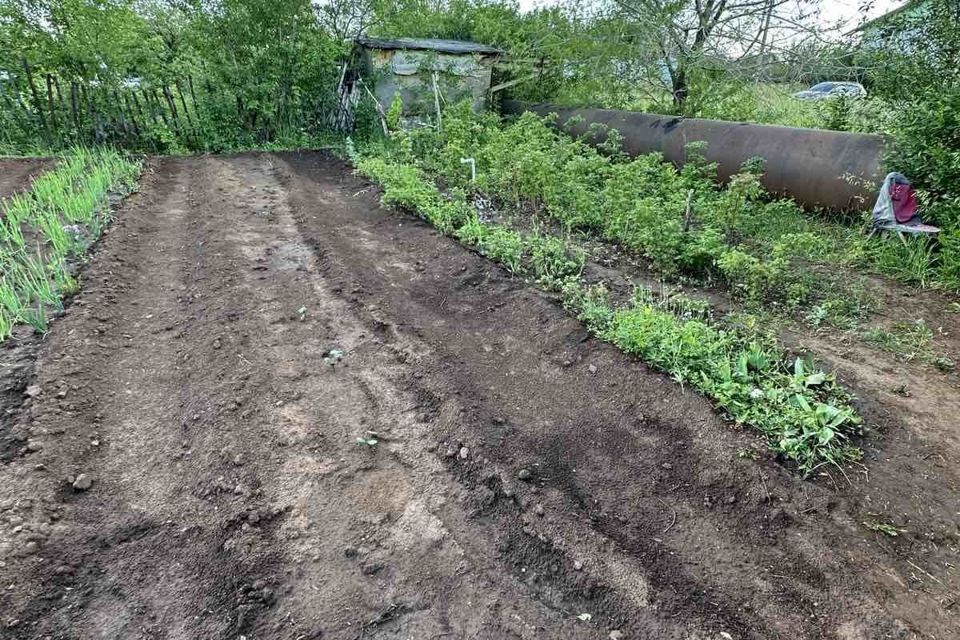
(823, 86)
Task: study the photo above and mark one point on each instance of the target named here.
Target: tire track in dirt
(362, 527)
(231, 498)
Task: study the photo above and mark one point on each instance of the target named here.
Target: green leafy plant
(885, 528)
(551, 261)
(838, 111)
(806, 417)
(394, 113)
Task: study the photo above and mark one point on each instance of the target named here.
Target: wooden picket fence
(63, 111)
(58, 111)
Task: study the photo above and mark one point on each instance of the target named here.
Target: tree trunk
(679, 87)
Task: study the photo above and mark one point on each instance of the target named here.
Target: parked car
(824, 90)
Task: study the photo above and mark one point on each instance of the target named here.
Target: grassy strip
(47, 228)
(805, 416)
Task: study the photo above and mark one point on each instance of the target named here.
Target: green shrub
(838, 112)
(752, 278)
(551, 262)
(700, 252)
(590, 304)
(504, 246)
(805, 416)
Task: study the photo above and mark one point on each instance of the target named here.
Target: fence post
(193, 96)
(53, 111)
(183, 103)
(62, 105)
(95, 128)
(123, 116)
(36, 99)
(156, 102)
(73, 109)
(132, 115)
(8, 103)
(6, 98)
(17, 93)
(170, 103)
(146, 121)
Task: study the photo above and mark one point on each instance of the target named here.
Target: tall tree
(695, 34)
(87, 38)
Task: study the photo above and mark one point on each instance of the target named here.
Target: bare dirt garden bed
(304, 415)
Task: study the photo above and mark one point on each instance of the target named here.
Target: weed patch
(910, 341)
(803, 412)
(767, 252)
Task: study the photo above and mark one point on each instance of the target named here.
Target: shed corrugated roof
(427, 44)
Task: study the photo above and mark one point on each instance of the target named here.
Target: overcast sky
(849, 11)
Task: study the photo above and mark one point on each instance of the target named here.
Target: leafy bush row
(44, 229)
(804, 415)
(766, 251)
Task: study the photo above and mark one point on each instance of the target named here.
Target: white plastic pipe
(473, 167)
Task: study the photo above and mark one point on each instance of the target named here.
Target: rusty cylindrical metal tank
(816, 168)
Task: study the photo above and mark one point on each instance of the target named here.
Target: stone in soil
(83, 482)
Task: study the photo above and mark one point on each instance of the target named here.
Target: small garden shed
(423, 72)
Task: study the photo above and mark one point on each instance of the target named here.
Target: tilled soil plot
(249, 318)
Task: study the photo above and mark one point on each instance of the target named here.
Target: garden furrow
(302, 414)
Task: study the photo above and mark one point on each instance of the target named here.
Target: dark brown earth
(17, 173)
(525, 474)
